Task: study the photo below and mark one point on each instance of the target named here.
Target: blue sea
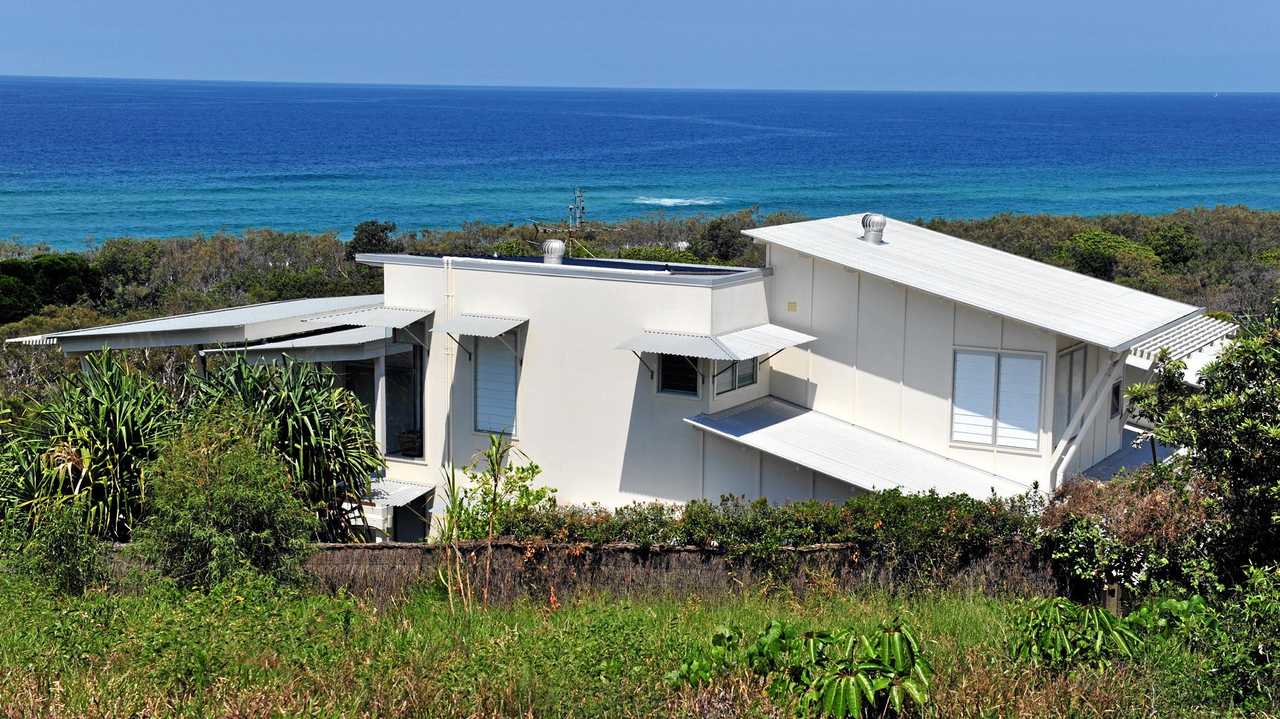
(85, 160)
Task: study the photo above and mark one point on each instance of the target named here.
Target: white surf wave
(678, 201)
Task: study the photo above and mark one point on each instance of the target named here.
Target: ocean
(85, 160)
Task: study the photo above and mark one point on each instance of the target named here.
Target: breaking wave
(678, 201)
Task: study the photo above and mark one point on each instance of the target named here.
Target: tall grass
(246, 648)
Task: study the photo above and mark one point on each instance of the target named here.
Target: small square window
(1117, 400)
(678, 375)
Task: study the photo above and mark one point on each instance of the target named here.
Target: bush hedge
(923, 532)
(223, 502)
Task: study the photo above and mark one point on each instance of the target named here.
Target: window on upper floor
(497, 372)
(995, 399)
(678, 375)
(730, 375)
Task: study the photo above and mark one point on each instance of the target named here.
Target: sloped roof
(1058, 300)
(847, 452)
(227, 326)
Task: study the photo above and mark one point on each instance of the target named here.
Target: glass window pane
(1018, 414)
(677, 375)
(746, 372)
(723, 370)
(404, 400)
(973, 398)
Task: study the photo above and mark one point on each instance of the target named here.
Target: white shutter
(495, 386)
(1018, 414)
(974, 395)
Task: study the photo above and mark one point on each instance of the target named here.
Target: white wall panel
(730, 469)
(881, 338)
(782, 481)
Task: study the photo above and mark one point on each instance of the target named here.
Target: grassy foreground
(248, 649)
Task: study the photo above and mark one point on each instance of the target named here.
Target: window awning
(376, 316)
(847, 452)
(235, 325)
(388, 493)
(479, 325)
(740, 345)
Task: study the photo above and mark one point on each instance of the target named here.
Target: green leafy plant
(223, 502)
(95, 435)
(1246, 649)
(60, 551)
(823, 673)
(1057, 633)
(321, 431)
(499, 498)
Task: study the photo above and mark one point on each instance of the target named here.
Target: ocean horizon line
(636, 88)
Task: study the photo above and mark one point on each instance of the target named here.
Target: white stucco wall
(589, 414)
(884, 360)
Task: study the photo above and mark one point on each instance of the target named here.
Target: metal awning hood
(740, 345)
(341, 338)
(847, 452)
(388, 493)
(375, 316)
(235, 325)
(478, 325)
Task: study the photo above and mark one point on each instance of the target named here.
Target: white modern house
(867, 354)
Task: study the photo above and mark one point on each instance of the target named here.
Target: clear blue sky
(821, 44)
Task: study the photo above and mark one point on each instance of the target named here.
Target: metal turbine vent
(873, 228)
(553, 252)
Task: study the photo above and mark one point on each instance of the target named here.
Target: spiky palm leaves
(88, 445)
(321, 430)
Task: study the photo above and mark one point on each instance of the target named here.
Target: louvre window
(996, 399)
(496, 373)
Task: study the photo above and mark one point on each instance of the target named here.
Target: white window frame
(731, 372)
(697, 368)
(511, 338)
(995, 401)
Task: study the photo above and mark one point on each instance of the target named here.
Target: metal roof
(1196, 342)
(740, 345)
(1041, 295)
(32, 340)
(1185, 338)
(479, 325)
(235, 325)
(389, 493)
(342, 338)
(376, 316)
(847, 452)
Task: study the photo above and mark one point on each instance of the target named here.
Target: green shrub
(500, 497)
(320, 430)
(222, 502)
(1057, 633)
(59, 551)
(1103, 254)
(658, 253)
(1246, 650)
(1151, 531)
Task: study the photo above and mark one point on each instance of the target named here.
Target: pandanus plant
(321, 430)
(89, 445)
